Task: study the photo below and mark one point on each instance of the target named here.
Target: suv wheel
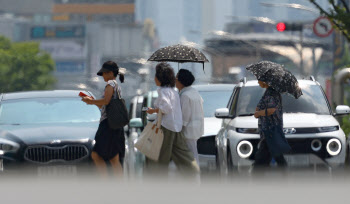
(217, 160)
(229, 159)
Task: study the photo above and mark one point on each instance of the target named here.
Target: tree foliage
(339, 14)
(23, 67)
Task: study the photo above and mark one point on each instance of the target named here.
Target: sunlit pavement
(272, 185)
(95, 189)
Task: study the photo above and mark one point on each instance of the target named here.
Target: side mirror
(151, 117)
(136, 123)
(222, 113)
(342, 110)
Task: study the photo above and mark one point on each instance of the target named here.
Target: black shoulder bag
(117, 114)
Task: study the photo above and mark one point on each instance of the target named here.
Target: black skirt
(109, 142)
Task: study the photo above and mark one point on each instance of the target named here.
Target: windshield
(47, 110)
(312, 101)
(138, 110)
(214, 100)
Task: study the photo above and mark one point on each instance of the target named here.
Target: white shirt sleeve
(111, 83)
(185, 108)
(163, 102)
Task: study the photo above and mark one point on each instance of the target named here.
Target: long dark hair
(115, 69)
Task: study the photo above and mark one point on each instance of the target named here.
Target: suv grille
(46, 154)
(299, 146)
(206, 145)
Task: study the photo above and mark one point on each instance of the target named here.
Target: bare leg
(100, 164)
(116, 165)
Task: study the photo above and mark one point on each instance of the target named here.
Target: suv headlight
(248, 130)
(8, 146)
(328, 129)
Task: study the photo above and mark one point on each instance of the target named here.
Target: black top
(270, 99)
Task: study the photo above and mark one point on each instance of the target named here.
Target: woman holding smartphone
(110, 143)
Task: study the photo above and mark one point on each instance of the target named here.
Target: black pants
(263, 156)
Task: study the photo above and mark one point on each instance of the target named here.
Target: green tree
(339, 14)
(24, 67)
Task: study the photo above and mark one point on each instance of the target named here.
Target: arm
(152, 110)
(163, 103)
(100, 102)
(272, 105)
(259, 113)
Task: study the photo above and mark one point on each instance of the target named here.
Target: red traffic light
(289, 26)
(281, 27)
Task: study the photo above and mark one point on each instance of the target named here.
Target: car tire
(229, 159)
(217, 159)
(347, 157)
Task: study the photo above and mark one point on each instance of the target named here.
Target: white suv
(311, 129)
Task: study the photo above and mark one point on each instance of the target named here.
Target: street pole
(314, 71)
(301, 51)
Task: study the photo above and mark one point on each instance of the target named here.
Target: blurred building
(26, 8)
(80, 35)
(13, 27)
(118, 11)
(274, 9)
(181, 20)
(251, 36)
(233, 52)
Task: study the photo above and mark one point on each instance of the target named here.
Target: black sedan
(45, 128)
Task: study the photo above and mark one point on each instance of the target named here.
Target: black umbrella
(260, 68)
(276, 77)
(178, 53)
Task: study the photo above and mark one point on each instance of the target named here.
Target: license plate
(298, 160)
(64, 170)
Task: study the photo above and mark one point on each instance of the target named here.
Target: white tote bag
(151, 139)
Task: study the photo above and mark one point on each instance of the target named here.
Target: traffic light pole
(301, 51)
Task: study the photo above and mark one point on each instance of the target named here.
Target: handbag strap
(266, 107)
(116, 91)
(159, 119)
(267, 117)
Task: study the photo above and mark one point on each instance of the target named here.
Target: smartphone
(81, 94)
(144, 108)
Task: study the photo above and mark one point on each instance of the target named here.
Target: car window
(232, 108)
(131, 107)
(247, 100)
(138, 110)
(47, 110)
(312, 101)
(144, 103)
(214, 100)
(152, 101)
(143, 113)
(231, 99)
